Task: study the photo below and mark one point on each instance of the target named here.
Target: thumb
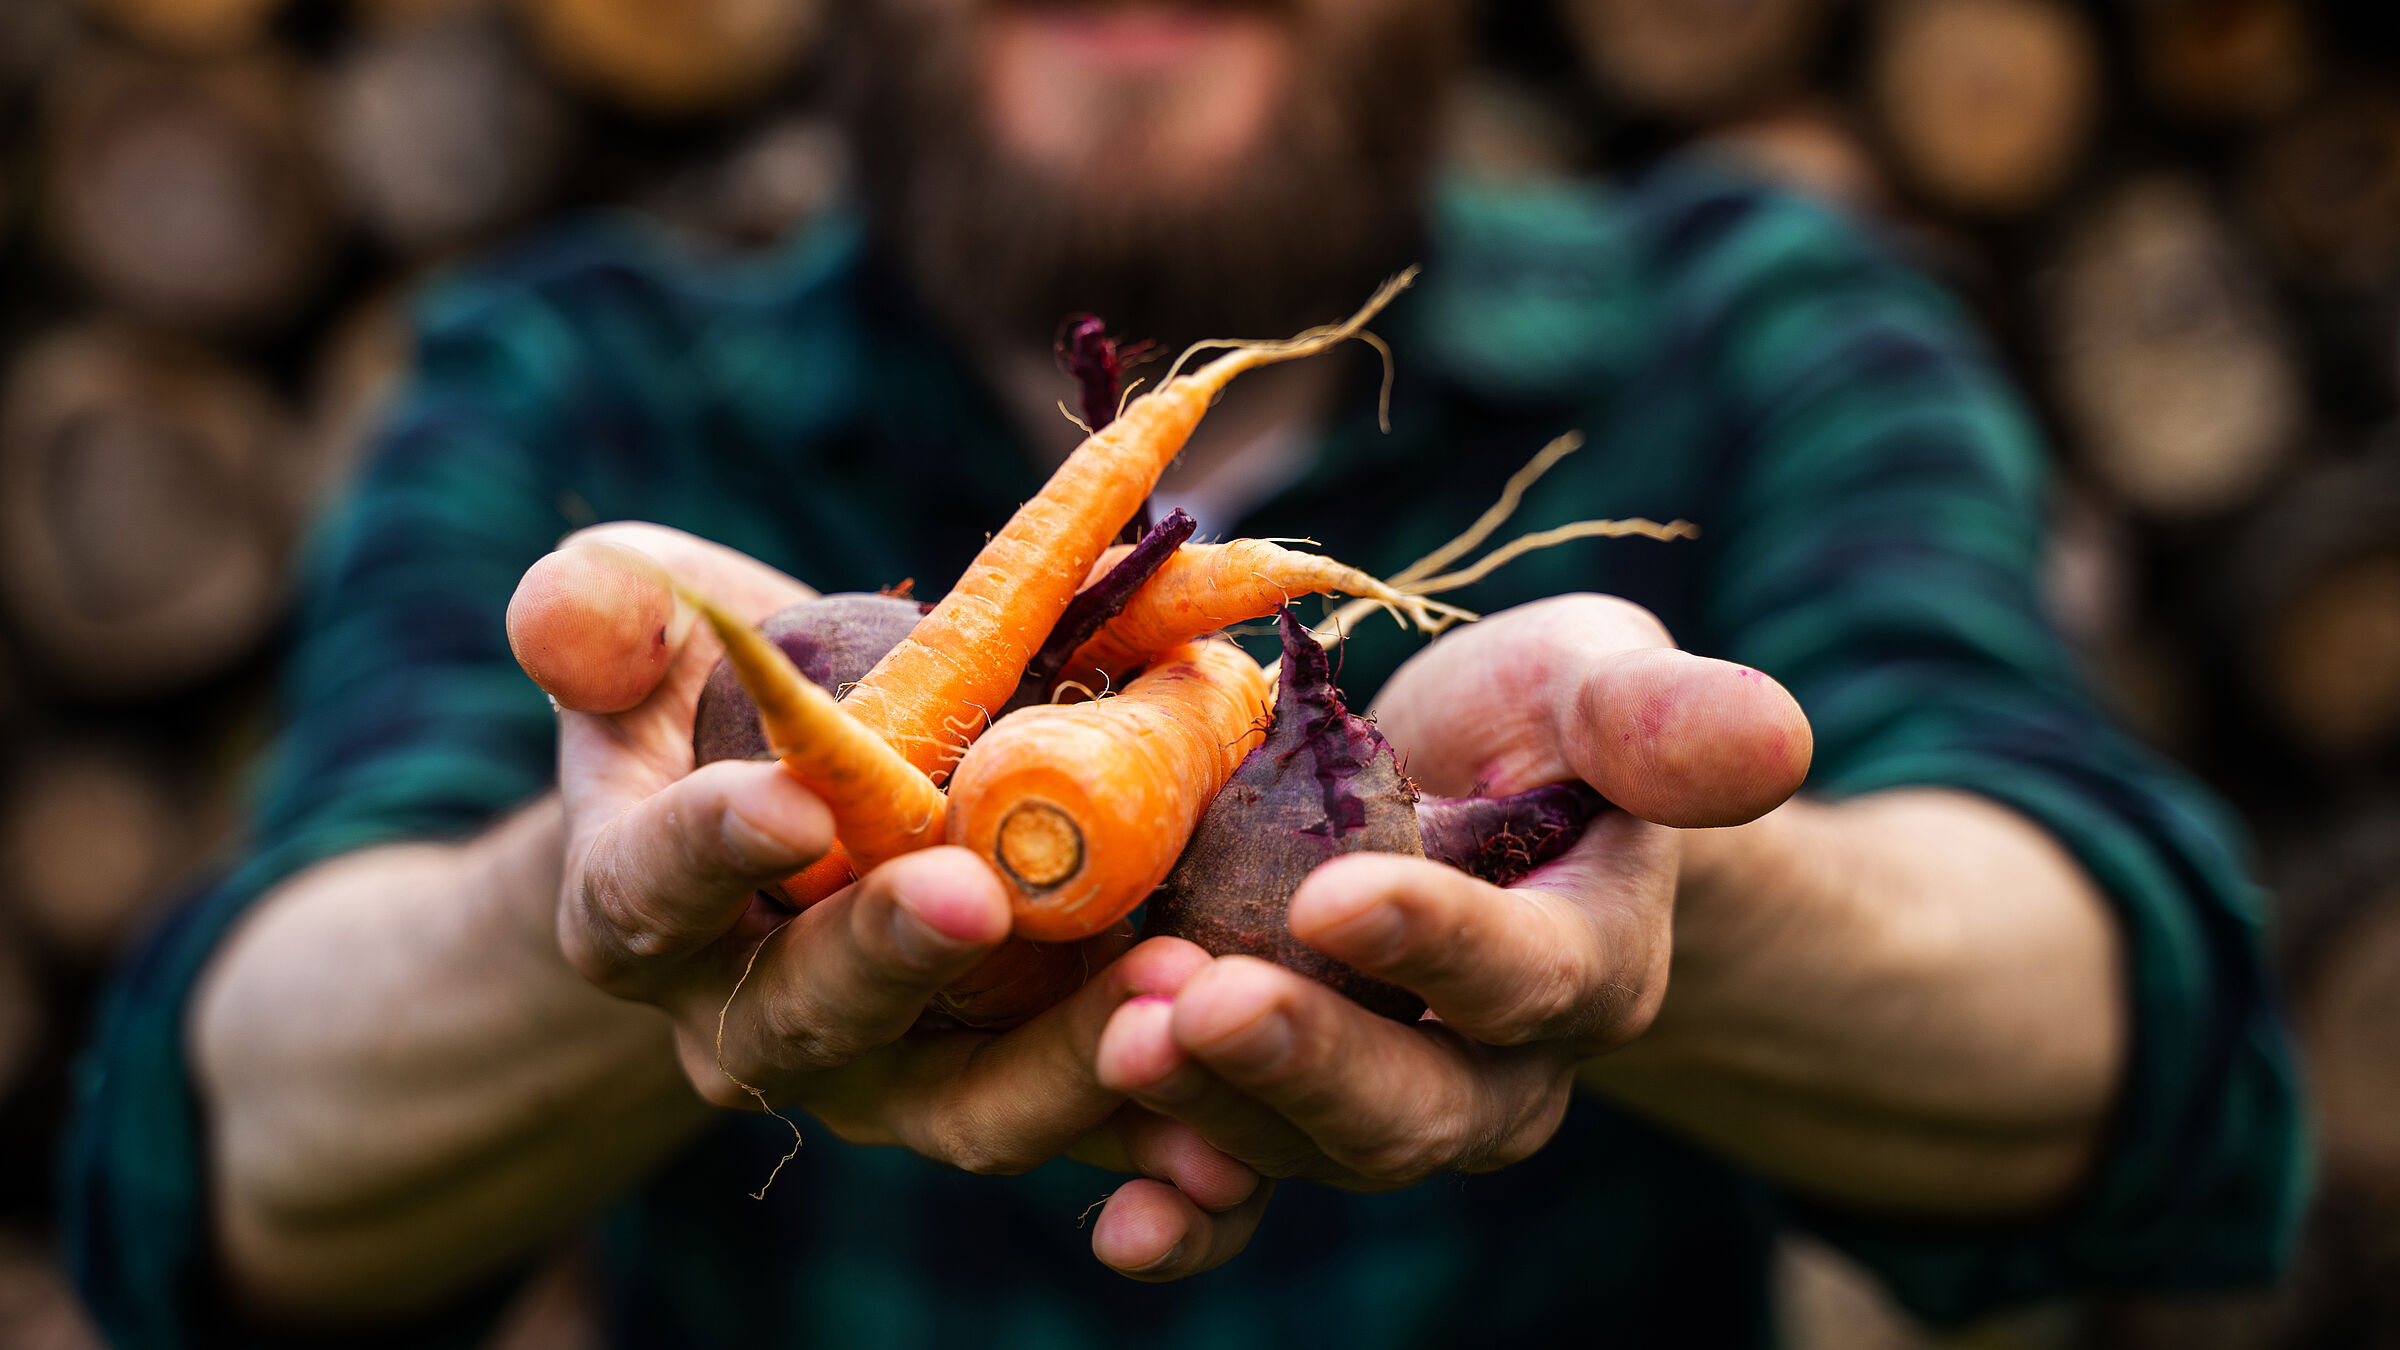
(1685, 740)
(675, 871)
(595, 624)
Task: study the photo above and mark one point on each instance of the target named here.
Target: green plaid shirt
(1870, 492)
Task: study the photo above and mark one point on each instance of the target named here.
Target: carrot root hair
(1425, 577)
(731, 1077)
(1247, 354)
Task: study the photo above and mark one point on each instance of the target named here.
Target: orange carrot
(1082, 808)
(882, 805)
(1205, 587)
(933, 693)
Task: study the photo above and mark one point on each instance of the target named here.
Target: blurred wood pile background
(2180, 219)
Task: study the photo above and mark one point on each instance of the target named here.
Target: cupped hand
(821, 1010)
(1522, 984)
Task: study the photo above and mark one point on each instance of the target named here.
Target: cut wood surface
(1695, 59)
(2316, 597)
(2173, 373)
(675, 57)
(440, 130)
(2333, 656)
(89, 841)
(32, 34)
(2347, 1013)
(142, 516)
(22, 1023)
(2224, 59)
(2324, 188)
(189, 26)
(1986, 104)
(373, 12)
(189, 193)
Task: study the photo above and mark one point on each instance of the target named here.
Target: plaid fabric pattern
(1870, 495)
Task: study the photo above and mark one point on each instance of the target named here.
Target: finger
(1684, 740)
(1591, 687)
(1008, 1103)
(1513, 668)
(1511, 966)
(1171, 1151)
(674, 872)
(1392, 1103)
(1140, 1141)
(1140, 1057)
(595, 625)
(1151, 1231)
(853, 973)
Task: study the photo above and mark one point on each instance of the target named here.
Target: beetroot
(1502, 839)
(1097, 364)
(1096, 604)
(1325, 783)
(834, 640)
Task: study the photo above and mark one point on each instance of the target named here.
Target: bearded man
(1982, 1006)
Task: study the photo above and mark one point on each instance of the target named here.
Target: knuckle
(619, 922)
(1408, 1154)
(1531, 1131)
(967, 1141)
(590, 948)
(1548, 991)
(1638, 622)
(800, 1037)
(717, 1089)
(1639, 1010)
(1433, 935)
(1625, 1011)
(709, 1078)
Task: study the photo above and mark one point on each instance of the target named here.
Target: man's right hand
(660, 903)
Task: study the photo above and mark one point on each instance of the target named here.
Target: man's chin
(1154, 101)
(1271, 226)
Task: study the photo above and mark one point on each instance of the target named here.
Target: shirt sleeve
(405, 717)
(1880, 556)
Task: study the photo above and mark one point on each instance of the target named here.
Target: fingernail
(1182, 1084)
(1257, 1047)
(919, 942)
(752, 848)
(1174, 1254)
(1371, 937)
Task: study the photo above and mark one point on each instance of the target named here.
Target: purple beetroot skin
(1324, 783)
(1095, 605)
(1503, 839)
(833, 639)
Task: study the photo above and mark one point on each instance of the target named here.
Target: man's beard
(1297, 234)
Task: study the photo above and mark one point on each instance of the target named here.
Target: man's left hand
(1524, 984)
